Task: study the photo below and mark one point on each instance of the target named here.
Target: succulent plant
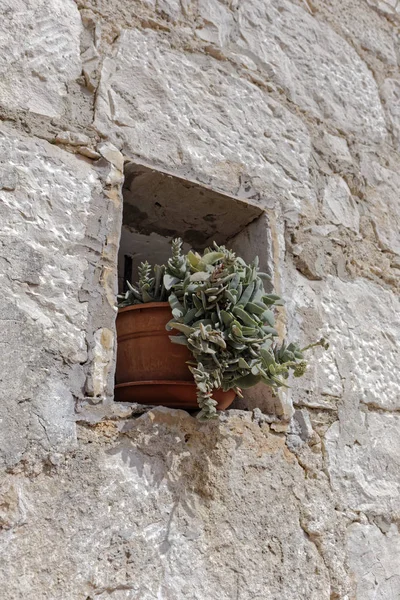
(226, 319)
(149, 288)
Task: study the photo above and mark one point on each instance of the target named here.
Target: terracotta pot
(150, 368)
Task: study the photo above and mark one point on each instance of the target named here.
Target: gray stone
(112, 154)
(387, 7)
(8, 178)
(372, 36)
(203, 129)
(338, 205)
(383, 204)
(316, 68)
(375, 559)
(89, 152)
(338, 147)
(168, 507)
(363, 463)
(45, 220)
(357, 318)
(39, 54)
(391, 94)
(72, 138)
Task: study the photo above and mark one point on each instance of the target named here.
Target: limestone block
(218, 21)
(90, 48)
(168, 508)
(383, 201)
(53, 409)
(39, 54)
(317, 69)
(338, 147)
(391, 93)
(363, 462)
(171, 8)
(44, 261)
(374, 561)
(72, 138)
(300, 429)
(103, 350)
(338, 205)
(386, 7)
(192, 115)
(359, 319)
(20, 359)
(372, 36)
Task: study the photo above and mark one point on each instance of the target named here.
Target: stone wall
(295, 105)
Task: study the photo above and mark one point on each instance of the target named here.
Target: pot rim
(144, 305)
(156, 382)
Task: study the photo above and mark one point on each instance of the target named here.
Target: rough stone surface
(46, 255)
(391, 94)
(364, 363)
(354, 459)
(375, 557)
(39, 49)
(223, 129)
(338, 205)
(383, 202)
(294, 106)
(318, 70)
(173, 495)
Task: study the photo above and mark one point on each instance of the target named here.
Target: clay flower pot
(150, 368)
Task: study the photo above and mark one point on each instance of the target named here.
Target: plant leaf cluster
(149, 288)
(225, 317)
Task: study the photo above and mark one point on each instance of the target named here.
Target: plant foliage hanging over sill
(225, 318)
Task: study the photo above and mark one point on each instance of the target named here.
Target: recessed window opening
(158, 207)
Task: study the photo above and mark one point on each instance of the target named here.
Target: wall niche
(159, 206)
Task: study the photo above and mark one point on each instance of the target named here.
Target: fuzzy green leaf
(210, 259)
(247, 294)
(256, 309)
(179, 339)
(268, 317)
(270, 330)
(248, 381)
(181, 327)
(244, 316)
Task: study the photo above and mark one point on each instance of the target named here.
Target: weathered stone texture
(316, 68)
(161, 511)
(375, 558)
(355, 459)
(383, 203)
(295, 106)
(199, 118)
(387, 7)
(39, 54)
(338, 205)
(364, 362)
(46, 256)
(391, 96)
